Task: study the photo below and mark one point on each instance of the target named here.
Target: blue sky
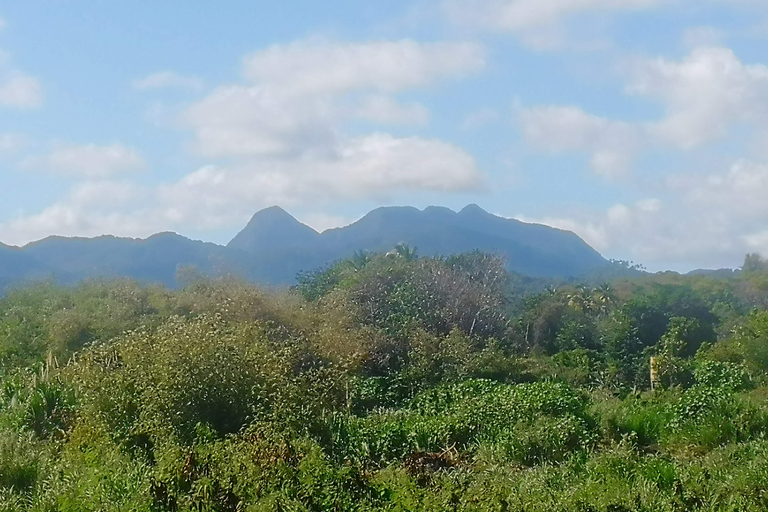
(641, 125)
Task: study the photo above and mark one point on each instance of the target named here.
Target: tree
(603, 298)
(753, 262)
(360, 259)
(405, 251)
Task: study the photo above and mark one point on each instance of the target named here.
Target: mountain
(273, 227)
(282, 246)
(279, 247)
(154, 259)
(531, 249)
(274, 247)
(16, 266)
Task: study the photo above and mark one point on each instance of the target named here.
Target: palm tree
(581, 300)
(603, 298)
(359, 260)
(405, 251)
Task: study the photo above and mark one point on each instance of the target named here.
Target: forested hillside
(388, 382)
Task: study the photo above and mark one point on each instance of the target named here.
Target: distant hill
(154, 259)
(531, 249)
(16, 265)
(720, 272)
(274, 247)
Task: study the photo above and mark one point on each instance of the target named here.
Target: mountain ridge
(274, 247)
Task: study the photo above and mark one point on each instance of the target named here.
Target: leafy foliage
(387, 382)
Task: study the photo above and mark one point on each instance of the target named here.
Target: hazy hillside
(282, 246)
(155, 259)
(17, 265)
(531, 249)
(274, 247)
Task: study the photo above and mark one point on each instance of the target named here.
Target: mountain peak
(473, 209)
(272, 227)
(274, 247)
(273, 211)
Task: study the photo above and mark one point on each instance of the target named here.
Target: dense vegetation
(387, 382)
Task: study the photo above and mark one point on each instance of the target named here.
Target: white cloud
(537, 22)
(561, 129)
(288, 136)
(250, 121)
(20, 91)
(17, 89)
(373, 166)
(91, 208)
(166, 80)
(11, 142)
(516, 15)
(311, 67)
(295, 104)
(711, 220)
(661, 236)
(740, 192)
(370, 167)
(87, 160)
(104, 193)
(284, 134)
(479, 118)
(386, 110)
(704, 94)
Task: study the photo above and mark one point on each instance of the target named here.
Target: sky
(641, 125)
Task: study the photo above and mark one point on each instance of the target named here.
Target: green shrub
(722, 374)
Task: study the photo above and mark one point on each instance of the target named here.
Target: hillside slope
(274, 247)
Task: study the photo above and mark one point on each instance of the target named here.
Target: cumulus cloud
(381, 109)
(660, 235)
(712, 220)
(295, 101)
(17, 89)
(740, 192)
(561, 128)
(705, 96)
(20, 91)
(536, 22)
(372, 166)
(308, 67)
(87, 160)
(91, 208)
(168, 80)
(249, 121)
(104, 193)
(282, 137)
